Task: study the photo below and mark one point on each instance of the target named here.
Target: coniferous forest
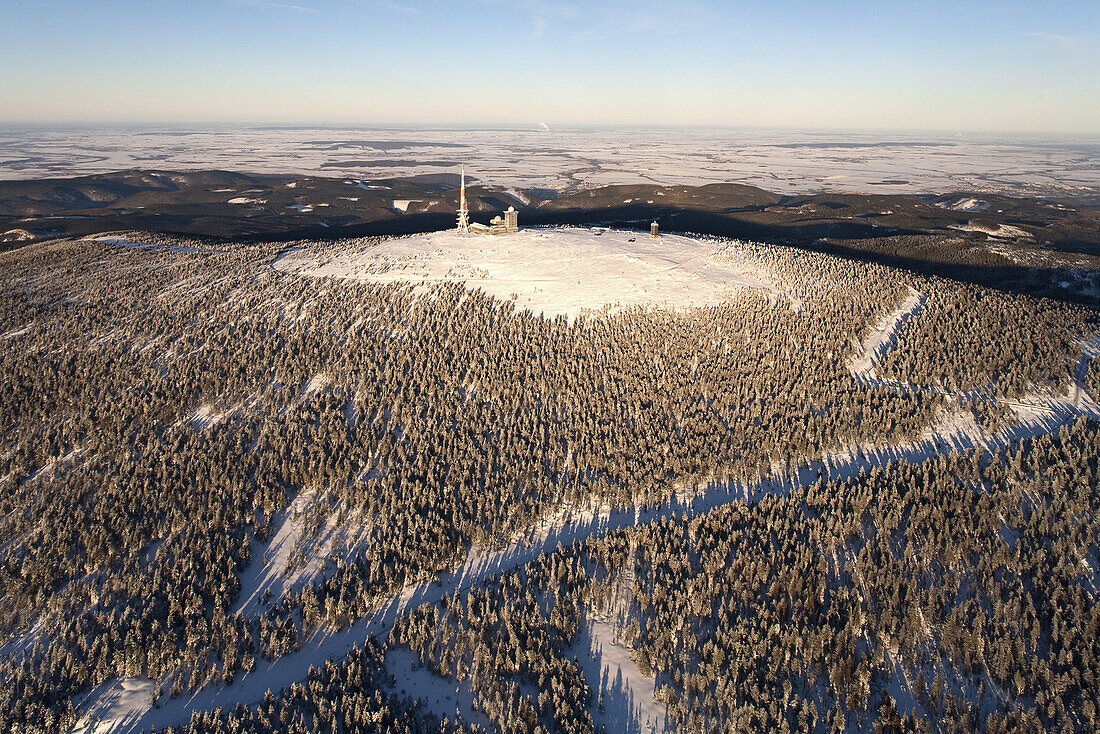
(210, 466)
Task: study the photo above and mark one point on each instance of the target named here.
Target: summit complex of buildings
(507, 224)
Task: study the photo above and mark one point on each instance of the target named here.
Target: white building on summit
(506, 225)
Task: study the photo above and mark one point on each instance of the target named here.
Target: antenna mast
(463, 212)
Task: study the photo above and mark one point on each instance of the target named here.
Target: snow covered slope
(556, 271)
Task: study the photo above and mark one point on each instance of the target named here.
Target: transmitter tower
(463, 211)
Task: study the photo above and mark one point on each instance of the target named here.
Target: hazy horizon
(1006, 68)
(366, 125)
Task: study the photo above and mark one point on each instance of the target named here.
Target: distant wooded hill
(1038, 246)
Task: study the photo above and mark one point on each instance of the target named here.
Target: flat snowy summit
(559, 271)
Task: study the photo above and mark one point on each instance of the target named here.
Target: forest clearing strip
(577, 523)
(570, 524)
(864, 368)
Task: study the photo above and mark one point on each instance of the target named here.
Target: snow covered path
(579, 522)
(628, 703)
(882, 336)
(572, 523)
(267, 574)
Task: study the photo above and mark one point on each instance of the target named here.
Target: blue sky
(986, 66)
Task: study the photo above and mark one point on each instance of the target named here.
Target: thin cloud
(608, 18)
(280, 6)
(542, 15)
(1066, 43)
(383, 4)
(397, 6)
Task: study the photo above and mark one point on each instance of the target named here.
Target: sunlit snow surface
(624, 696)
(785, 161)
(558, 271)
(116, 706)
(444, 697)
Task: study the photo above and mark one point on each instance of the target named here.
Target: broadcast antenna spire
(463, 212)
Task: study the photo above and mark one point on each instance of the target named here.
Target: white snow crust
(560, 271)
(611, 673)
(117, 706)
(966, 205)
(1000, 230)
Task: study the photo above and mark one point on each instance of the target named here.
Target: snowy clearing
(124, 242)
(16, 235)
(1002, 230)
(882, 336)
(117, 706)
(17, 332)
(519, 196)
(245, 200)
(207, 416)
(613, 676)
(316, 383)
(966, 205)
(268, 574)
(309, 532)
(444, 697)
(560, 271)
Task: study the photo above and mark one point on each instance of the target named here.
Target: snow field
(116, 706)
(611, 673)
(1000, 231)
(564, 158)
(560, 271)
(441, 696)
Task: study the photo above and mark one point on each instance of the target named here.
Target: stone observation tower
(654, 230)
(463, 212)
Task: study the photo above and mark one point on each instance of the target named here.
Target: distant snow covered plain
(784, 161)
